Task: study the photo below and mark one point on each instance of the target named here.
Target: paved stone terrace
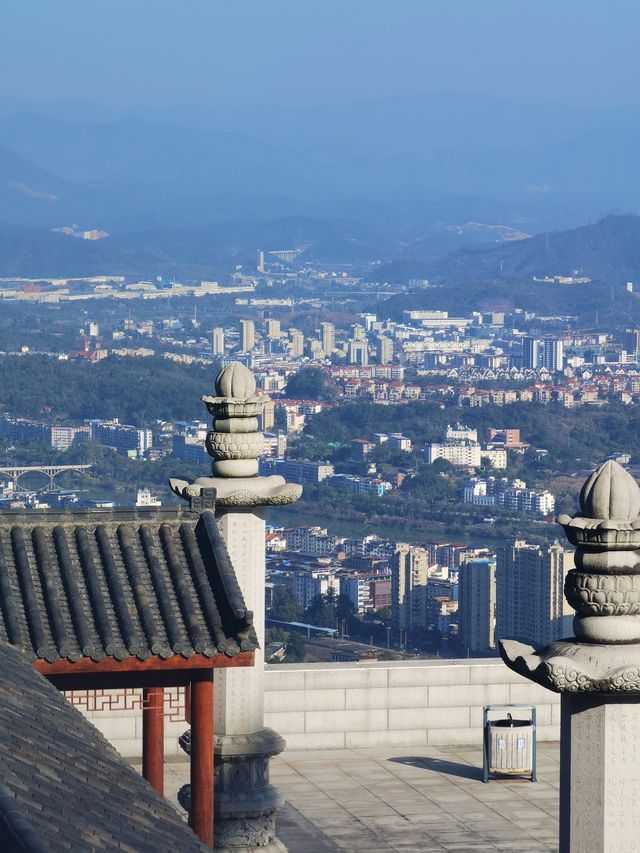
(409, 799)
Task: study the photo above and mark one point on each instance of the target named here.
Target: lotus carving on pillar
(235, 444)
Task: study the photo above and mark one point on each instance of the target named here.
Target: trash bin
(509, 743)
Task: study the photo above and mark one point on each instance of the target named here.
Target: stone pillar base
(600, 773)
(245, 803)
(274, 846)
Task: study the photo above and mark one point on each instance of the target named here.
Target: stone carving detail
(238, 445)
(245, 832)
(611, 493)
(244, 795)
(239, 833)
(567, 666)
(235, 444)
(604, 590)
(603, 595)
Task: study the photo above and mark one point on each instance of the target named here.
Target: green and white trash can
(509, 743)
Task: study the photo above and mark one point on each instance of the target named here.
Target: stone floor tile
(424, 799)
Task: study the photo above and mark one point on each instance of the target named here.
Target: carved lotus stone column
(597, 671)
(245, 800)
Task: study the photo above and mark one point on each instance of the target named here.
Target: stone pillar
(600, 773)
(245, 801)
(597, 671)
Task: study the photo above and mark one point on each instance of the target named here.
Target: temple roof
(119, 583)
(64, 787)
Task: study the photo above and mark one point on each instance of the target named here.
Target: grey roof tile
(119, 583)
(63, 786)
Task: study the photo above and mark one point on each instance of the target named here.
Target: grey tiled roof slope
(91, 584)
(63, 786)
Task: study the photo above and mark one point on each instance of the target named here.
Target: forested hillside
(136, 391)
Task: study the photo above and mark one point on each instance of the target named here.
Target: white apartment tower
(273, 329)
(553, 354)
(297, 343)
(248, 341)
(384, 350)
(328, 337)
(218, 341)
(359, 352)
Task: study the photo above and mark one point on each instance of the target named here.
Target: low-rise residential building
(297, 470)
(310, 540)
(358, 485)
(124, 438)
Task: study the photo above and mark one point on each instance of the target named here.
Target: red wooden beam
(201, 817)
(133, 664)
(131, 674)
(187, 703)
(153, 737)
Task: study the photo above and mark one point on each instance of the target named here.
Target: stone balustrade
(403, 703)
(344, 705)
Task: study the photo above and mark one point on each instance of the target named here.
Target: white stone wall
(338, 706)
(405, 703)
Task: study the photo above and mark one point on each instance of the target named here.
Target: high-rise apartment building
(122, 437)
(547, 353)
(552, 354)
(530, 604)
(314, 349)
(631, 341)
(273, 329)
(409, 577)
(296, 339)
(328, 337)
(248, 340)
(218, 341)
(477, 606)
(530, 353)
(359, 352)
(384, 350)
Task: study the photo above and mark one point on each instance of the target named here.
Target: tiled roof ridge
(119, 584)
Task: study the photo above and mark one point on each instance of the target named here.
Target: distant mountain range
(607, 250)
(410, 179)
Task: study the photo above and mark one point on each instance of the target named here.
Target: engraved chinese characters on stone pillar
(239, 692)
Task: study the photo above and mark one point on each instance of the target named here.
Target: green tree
(311, 383)
(285, 605)
(295, 648)
(322, 611)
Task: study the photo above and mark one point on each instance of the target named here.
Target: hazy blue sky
(164, 52)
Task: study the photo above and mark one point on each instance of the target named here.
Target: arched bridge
(50, 471)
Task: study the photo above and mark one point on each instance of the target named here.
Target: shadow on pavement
(440, 765)
(299, 835)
